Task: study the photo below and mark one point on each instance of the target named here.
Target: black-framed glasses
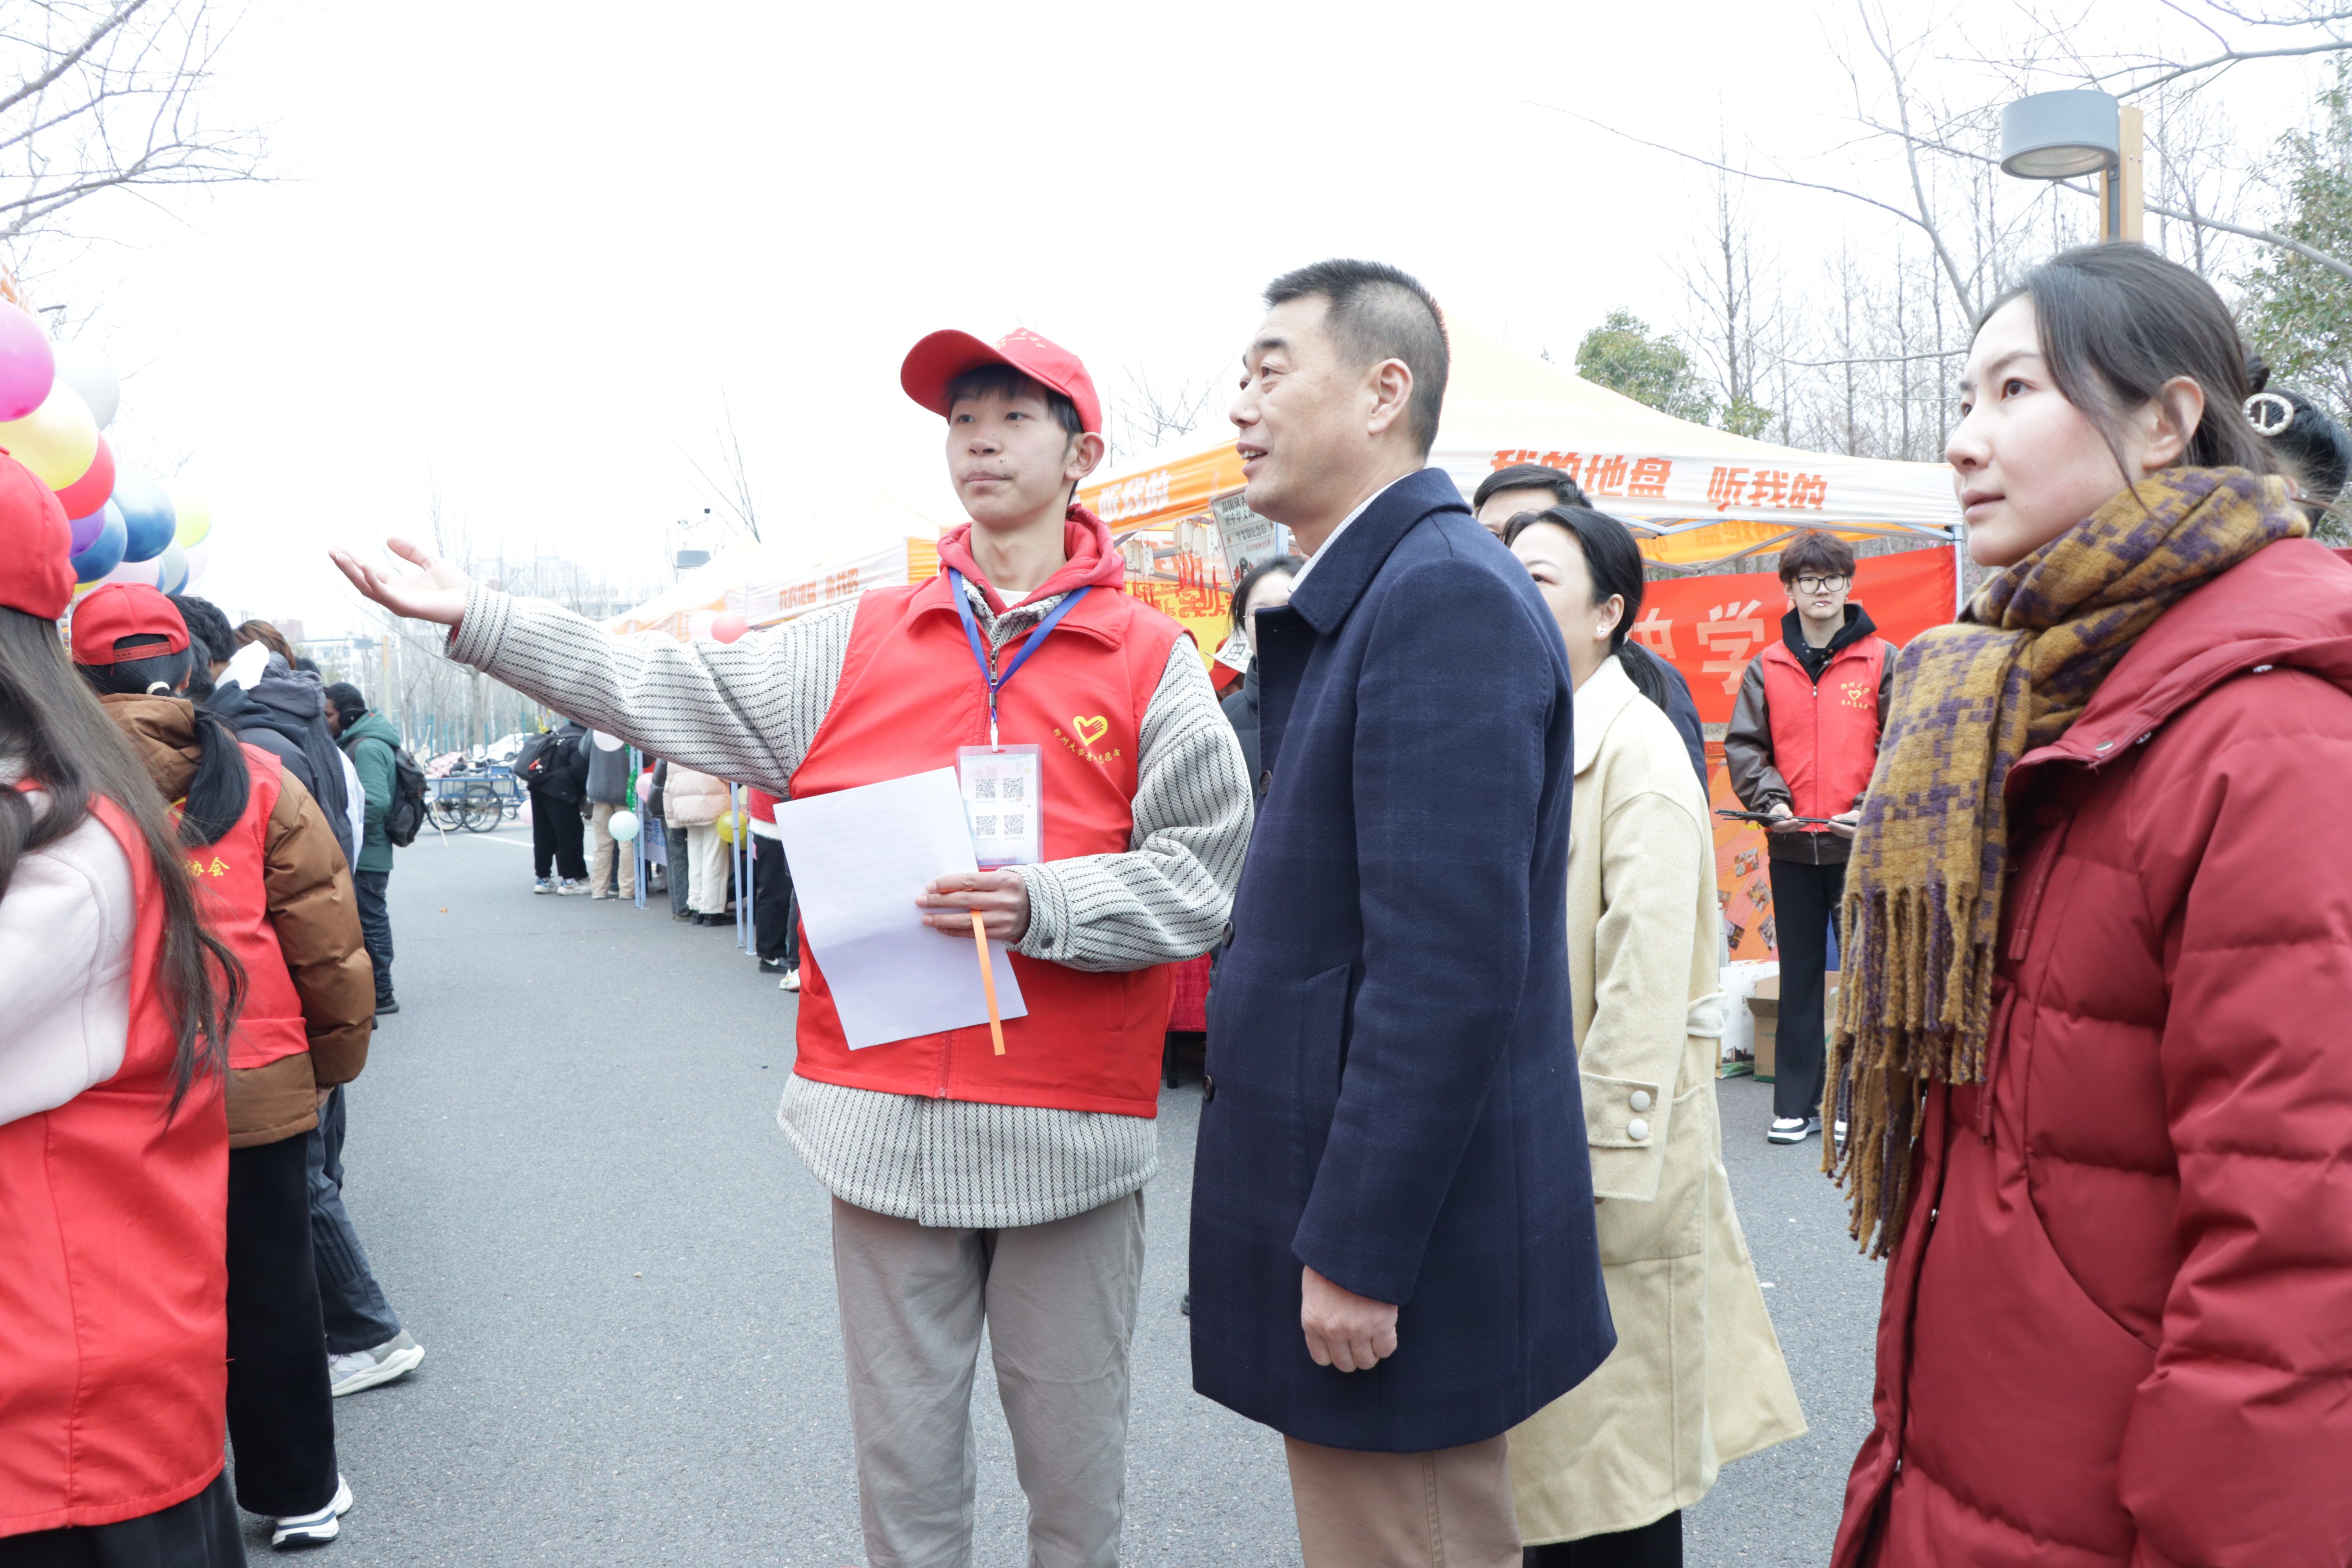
(1811, 585)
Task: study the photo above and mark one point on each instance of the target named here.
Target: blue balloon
(147, 514)
(105, 553)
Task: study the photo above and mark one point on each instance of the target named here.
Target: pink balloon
(28, 366)
(726, 627)
(143, 572)
(199, 557)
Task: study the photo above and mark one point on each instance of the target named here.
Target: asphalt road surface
(563, 1158)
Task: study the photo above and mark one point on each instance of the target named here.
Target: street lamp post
(2058, 135)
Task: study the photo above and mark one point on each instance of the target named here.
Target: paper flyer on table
(860, 857)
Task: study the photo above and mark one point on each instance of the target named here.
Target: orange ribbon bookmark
(988, 983)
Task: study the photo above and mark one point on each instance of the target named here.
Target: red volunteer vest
(910, 693)
(1825, 736)
(113, 1274)
(232, 889)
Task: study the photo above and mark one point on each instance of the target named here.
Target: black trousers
(556, 837)
(199, 1532)
(775, 929)
(281, 1416)
(1658, 1544)
(375, 927)
(1805, 900)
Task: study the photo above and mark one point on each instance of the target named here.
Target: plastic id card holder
(1002, 801)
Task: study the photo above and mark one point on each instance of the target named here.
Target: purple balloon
(85, 529)
(28, 366)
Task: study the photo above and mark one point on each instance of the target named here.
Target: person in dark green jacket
(371, 741)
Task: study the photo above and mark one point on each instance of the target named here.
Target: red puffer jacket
(2118, 1324)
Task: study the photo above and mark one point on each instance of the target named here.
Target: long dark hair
(2116, 322)
(1615, 564)
(53, 728)
(223, 781)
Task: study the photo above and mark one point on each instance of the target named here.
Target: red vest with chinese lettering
(230, 877)
(910, 693)
(1825, 735)
(113, 1273)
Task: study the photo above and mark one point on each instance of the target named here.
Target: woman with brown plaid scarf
(2092, 1040)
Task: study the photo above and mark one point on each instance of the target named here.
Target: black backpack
(404, 817)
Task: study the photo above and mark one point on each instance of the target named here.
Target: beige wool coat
(1698, 1377)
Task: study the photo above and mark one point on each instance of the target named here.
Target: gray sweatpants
(1058, 1301)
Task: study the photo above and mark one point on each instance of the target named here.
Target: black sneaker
(1793, 1129)
(771, 966)
(386, 1005)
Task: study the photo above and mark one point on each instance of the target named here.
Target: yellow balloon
(59, 440)
(730, 825)
(195, 517)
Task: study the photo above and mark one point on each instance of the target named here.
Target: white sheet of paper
(860, 857)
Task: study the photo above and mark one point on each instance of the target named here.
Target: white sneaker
(395, 1358)
(313, 1529)
(1793, 1129)
(791, 981)
(571, 887)
(544, 885)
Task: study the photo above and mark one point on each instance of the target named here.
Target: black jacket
(286, 715)
(1241, 712)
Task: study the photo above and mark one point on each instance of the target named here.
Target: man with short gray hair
(1394, 1258)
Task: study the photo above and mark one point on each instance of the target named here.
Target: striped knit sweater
(747, 711)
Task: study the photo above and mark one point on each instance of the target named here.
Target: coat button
(1208, 1087)
(1265, 781)
(1640, 1099)
(1637, 1130)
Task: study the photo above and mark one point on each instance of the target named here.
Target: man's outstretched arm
(744, 710)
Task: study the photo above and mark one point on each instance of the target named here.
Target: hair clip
(2269, 413)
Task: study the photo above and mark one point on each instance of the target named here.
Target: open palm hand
(435, 592)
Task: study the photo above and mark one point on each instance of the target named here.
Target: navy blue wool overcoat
(1393, 1070)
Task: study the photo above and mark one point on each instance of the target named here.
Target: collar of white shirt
(1315, 560)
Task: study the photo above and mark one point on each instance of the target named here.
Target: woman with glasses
(1803, 739)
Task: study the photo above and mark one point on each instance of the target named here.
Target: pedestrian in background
(1393, 1251)
(1601, 1476)
(1521, 487)
(2099, 962)
(1263, 586)
(275, 887)
(1803, 741)
(606, 783)
(116, 1006)
(373, 747)
(695, 802)
(775, 913)
(273, 706)
(555, 777)
(675, 874)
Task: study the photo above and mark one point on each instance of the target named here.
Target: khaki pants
(1059, 1302)
(1449, 1508)
(605, 848)
(706, 859)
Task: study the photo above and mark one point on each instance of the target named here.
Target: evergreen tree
(2298, 314)
(1624, 355)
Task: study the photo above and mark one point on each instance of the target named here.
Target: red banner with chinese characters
(1710, 628)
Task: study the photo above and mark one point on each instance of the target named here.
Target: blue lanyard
(996, 682)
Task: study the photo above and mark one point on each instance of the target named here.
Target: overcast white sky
(517, 251)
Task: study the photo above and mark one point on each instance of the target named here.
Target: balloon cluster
(55, 406)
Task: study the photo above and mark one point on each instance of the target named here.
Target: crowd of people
(1462, 1231)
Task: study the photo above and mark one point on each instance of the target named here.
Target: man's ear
(1389, 385)
(1086, 455)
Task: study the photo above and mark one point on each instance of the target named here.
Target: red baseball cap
(36, 573)
(939, 359)
(117, 610)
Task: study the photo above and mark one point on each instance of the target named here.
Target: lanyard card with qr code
(1001, 788)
